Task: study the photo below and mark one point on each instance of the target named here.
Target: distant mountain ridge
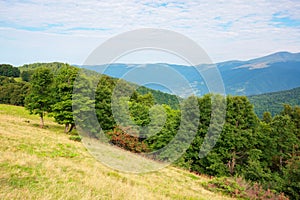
(271, 73)
(273, 58)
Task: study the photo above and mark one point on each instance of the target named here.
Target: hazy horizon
(67, 31)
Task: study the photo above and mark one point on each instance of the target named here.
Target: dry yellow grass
(44, 164)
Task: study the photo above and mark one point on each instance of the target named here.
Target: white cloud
(225, 29)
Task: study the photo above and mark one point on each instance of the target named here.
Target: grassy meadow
(44, 163)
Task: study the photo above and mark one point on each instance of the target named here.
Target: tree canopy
(39, 99)
(9, 70)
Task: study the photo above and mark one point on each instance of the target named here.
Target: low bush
(76, 138)
(238, 187)
(127, 139)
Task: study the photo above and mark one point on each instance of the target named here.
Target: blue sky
(68, 31)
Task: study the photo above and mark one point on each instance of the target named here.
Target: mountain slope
(273, 102)
(275, 72)
(44, 164)
(271, 73)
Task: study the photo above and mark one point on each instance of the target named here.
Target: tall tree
(39, 99)
(238, 136)
(284, 140)
(25, 75)
(103, 97)
(267, 117)
(83, 104)
(62, 93)
(291, 176)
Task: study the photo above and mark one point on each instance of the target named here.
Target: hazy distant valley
(271, 73)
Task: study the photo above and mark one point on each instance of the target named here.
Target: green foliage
(284, 140)
(189, 121)
(170, 128)
(25, 75)
(83, 106)
(226, 185)
(62, 93)
(254, 169)
(76, 138)
(294, 114)
(273, 102)
(103, 96)
(39, 100)
(139, 113)
(291, 174)
(9, 70)
(12, 92)
(267, 117)
(53, 66)
(146, 99)
(161, 98)
(237, 138)
(139, 103)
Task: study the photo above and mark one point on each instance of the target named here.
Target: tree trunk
(71, 128)
(66, 127)
(280, 160)
(231, 163)
(42, 120)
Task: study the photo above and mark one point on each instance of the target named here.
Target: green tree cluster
(25, 75)
(51, 92)
(9, 70)
(12, 92)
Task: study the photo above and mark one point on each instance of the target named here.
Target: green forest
(274, 102)
(262, 150)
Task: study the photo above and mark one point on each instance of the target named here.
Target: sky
(68, 31)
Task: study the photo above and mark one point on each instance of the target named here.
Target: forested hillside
(265, 152)
(274, 102)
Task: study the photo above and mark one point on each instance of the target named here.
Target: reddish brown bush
(127, 138)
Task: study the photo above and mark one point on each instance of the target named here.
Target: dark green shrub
(237, 187)
(76, 138)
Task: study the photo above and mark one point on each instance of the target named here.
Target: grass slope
(44, 164)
